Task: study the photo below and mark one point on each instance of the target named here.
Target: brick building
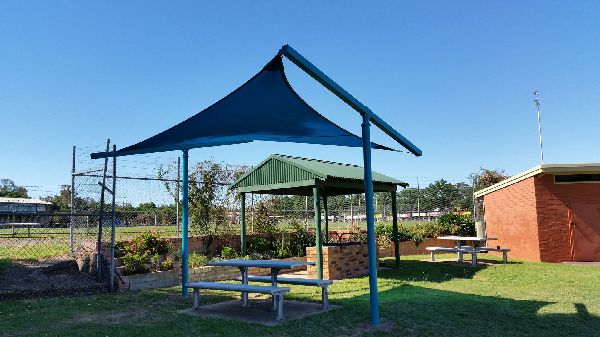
(549, 213)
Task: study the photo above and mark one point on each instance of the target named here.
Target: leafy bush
(149, 243)
(299, 239)
(135, 264)
(228, 253)
(167, 264)
(416, 233)
(196, 260)
(456, 224)
(263, 246)
(144, 253)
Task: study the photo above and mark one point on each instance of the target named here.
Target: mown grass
(419, 299)
(33, 250)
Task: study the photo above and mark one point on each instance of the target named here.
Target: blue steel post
(373, 294)
(184, 223)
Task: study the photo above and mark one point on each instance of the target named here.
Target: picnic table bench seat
(277, 292)
(297, 281)
(471, 251)
(504, 252)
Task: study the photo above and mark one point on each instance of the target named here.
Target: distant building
(24, 205)
(549, 213)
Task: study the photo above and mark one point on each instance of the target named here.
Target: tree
(209, 197)
(439, 195)
(9, 189)
(482, 179)
(486, 178)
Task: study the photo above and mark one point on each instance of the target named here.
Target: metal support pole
(368, 177)
(318, 243)
(326, 211)
(100, 218)
(184, 224)
(178, 188)
(113, 224)
(395, 229)
(71, 219)
(243, 222)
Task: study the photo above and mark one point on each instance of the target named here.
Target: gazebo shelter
(287, 175)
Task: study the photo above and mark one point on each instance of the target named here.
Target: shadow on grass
(414, 270)
(418, 311)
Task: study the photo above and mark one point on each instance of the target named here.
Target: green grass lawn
(420, 299)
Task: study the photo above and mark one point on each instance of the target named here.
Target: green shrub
(456, 224)
(196, 260)
(135, 264)
(149, 243)
(299, 239)
(228, 253)
(167, 264)
(263, 246)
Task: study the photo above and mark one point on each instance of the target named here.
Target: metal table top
(464, 238)
(273, 264)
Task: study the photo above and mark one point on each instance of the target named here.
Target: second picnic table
(460, 239)
(274, 265)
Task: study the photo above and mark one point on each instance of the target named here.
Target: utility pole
(536, 100)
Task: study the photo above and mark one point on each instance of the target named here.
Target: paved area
(259, 311)
(583, 263)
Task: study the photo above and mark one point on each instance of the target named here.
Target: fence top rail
(50, 213)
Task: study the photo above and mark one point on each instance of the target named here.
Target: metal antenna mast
(536, 100)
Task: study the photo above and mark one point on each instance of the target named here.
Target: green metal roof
(281, 174)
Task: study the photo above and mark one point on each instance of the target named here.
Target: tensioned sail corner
(265, 108)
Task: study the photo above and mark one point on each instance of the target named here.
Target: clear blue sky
(456, 78)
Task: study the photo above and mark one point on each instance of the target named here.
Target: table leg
(274, 273)
(244, 272)
(460, 255)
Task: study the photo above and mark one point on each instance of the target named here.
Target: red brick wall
(510, 215)
(340, 262)
(553, 202)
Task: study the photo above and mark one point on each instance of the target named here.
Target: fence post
(113, 225)
(99, 244)
(71, 219)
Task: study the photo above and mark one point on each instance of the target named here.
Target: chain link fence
(75, 225)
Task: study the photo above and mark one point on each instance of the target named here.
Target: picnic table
(274, 265)
(475, 241)
(14, 225)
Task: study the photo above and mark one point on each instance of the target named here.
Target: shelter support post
(371, 244)
(326, 211)
(243, 222)
(395, 229)
(318, 243)
(184, 223)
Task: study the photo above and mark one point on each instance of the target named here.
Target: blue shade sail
(266, 108)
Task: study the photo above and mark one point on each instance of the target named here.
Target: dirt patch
(23, 279)
(112, 317)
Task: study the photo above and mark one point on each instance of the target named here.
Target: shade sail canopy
(287, 175)
(266, 108)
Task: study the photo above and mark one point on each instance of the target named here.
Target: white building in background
(24, 205)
